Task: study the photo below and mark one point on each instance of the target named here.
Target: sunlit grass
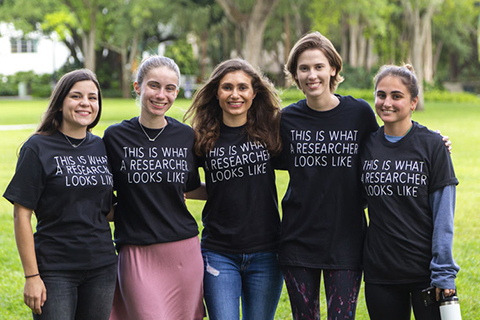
(459, 121)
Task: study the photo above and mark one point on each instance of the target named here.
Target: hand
(35, 294)
(446, 139)
(446, 293)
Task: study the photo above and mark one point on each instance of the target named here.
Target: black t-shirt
(150, 178)
(70, 191)
(398, 179)
(323, 221)
(241, 213)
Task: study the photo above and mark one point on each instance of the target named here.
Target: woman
(235, 116)
(323, 221)
(63, 176)
(410, 184)
(160, 268)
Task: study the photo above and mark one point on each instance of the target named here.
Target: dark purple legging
(341, 290)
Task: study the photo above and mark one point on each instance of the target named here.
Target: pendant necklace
(72, 144)
(151, 139)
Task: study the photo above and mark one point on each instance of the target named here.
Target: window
(19, 45)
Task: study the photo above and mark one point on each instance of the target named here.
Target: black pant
(395, 302)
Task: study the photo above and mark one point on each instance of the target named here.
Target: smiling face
(157, 92)
(314, 73)
(235, 95)
(80, 107)
(394, 103)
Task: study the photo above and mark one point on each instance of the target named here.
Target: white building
(31, 52)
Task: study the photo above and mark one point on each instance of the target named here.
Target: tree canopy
(439, 37)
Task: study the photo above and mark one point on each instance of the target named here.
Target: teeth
(159, 104)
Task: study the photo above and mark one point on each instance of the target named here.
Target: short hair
(314, 40)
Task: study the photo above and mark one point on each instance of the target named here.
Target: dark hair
(53, 116)
(263, 117)
(314, 40)
(405, 73)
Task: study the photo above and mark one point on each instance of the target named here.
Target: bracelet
(32, 275)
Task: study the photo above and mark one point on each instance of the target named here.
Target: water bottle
(450, 308)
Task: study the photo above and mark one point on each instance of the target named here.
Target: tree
(418, 17)
(455, 37)
(353, 26)
(252, 22)
(75, 19)
(128, 29)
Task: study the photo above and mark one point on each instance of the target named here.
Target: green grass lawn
(459, 121)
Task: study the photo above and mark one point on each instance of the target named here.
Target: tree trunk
(203, 54)
(89, 41)
(362, 48)
(428, 54)
(252, 24)
(418, 26)
(354, 31)
(128, 60)
(288, 37)
(371, 57)
(344, 42)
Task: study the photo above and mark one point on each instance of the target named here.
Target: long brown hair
(53, 116)
(263, 117)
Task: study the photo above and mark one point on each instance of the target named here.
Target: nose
(388, 101)
(235, 93)
(84, 101)
(160, 93)
(311, 74)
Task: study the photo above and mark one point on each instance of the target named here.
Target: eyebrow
(79, 92)
(156, 82)
(238, 84)
(395, 91)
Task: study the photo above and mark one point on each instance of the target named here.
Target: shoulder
(122, 126)
(359, 104)
(177, 125)
(40, 141)
(294, 107)
(425, 133)
(94, 140)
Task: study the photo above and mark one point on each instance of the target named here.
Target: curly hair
(53, 116)
(314, 40)
(263, 117)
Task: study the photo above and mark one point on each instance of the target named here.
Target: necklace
(72, 144)
(151, 139)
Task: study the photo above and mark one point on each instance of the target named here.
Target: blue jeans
(255, 277)
(79, 295)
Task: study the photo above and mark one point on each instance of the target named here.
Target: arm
(111, 214)
(35, 293)
(198, 194)
(443, 267)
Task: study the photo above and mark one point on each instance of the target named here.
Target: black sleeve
(28, 182)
